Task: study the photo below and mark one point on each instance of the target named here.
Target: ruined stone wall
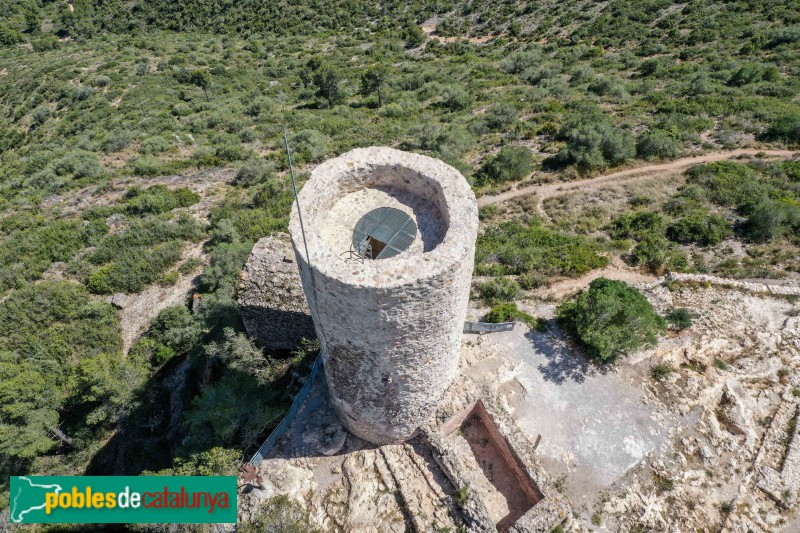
(784, 290)
(270, 296)
(390, 329)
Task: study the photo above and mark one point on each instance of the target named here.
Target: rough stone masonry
(390, 329)
(271, 301)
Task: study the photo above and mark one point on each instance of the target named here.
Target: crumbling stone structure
(270, 297)
(391, 240)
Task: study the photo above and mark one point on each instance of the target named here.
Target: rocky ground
(735, 380)
(708, 447)
(347, 484)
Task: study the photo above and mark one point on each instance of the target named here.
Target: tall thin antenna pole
(296, 197)
(302, 229)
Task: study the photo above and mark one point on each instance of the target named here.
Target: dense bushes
(767, 198)
(785, 129)
(700, 228)
(137, 256)
(255, 171)
(511, 163)
(158, 199)
(611, 319)
(657, 144)
(498, 290)
(135, 268)
(730, 184)
(637, 225)
(57, 347)
(771, 220)
(524, 247)
(593, 143)
(29, 248)
(657, 254)
(309, 146)
(78, 164)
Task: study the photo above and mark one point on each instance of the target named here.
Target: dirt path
(549, 190)
(429, 28)
(617, 270)
(142, 307)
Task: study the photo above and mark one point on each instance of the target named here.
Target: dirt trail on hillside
(549, 190)
(617, 270)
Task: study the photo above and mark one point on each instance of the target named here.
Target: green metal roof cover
(386, 224)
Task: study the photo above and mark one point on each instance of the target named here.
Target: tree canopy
(611, 319)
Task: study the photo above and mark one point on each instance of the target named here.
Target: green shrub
(785, 128)
(116, 141)
(455, 98)
(658, 255)
(78, 164)
(661, 370)
(520, 248)
(511, 163)
(680, 317)
(9, 37)
(413, 35)
(131, 259)
(730, 184)
(700, 228)
(328, 87)
(254, 171)
(500, 116)
(158, 199)
(771, 220)
(40, 115)
(28, 251)
(175, 327)
(44, 43)
(608, 87)
(154, 145)
(59, 364)
(168, 279)
(146, 166)
(508, 312)
(309, 146)
(228, 148)
(532, 280)
(593, 146)
(611, 319)
(657, 144)
(498, 290)
(690, 198)
(637, 225)
(135, 269)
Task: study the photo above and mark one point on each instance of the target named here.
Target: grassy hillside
(99, 102)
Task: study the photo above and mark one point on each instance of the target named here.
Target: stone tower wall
(390, 329)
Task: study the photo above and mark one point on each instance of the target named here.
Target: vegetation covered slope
(106, 92)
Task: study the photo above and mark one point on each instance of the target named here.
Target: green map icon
(28, 497)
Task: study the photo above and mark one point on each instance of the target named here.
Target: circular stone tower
(391, 240)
